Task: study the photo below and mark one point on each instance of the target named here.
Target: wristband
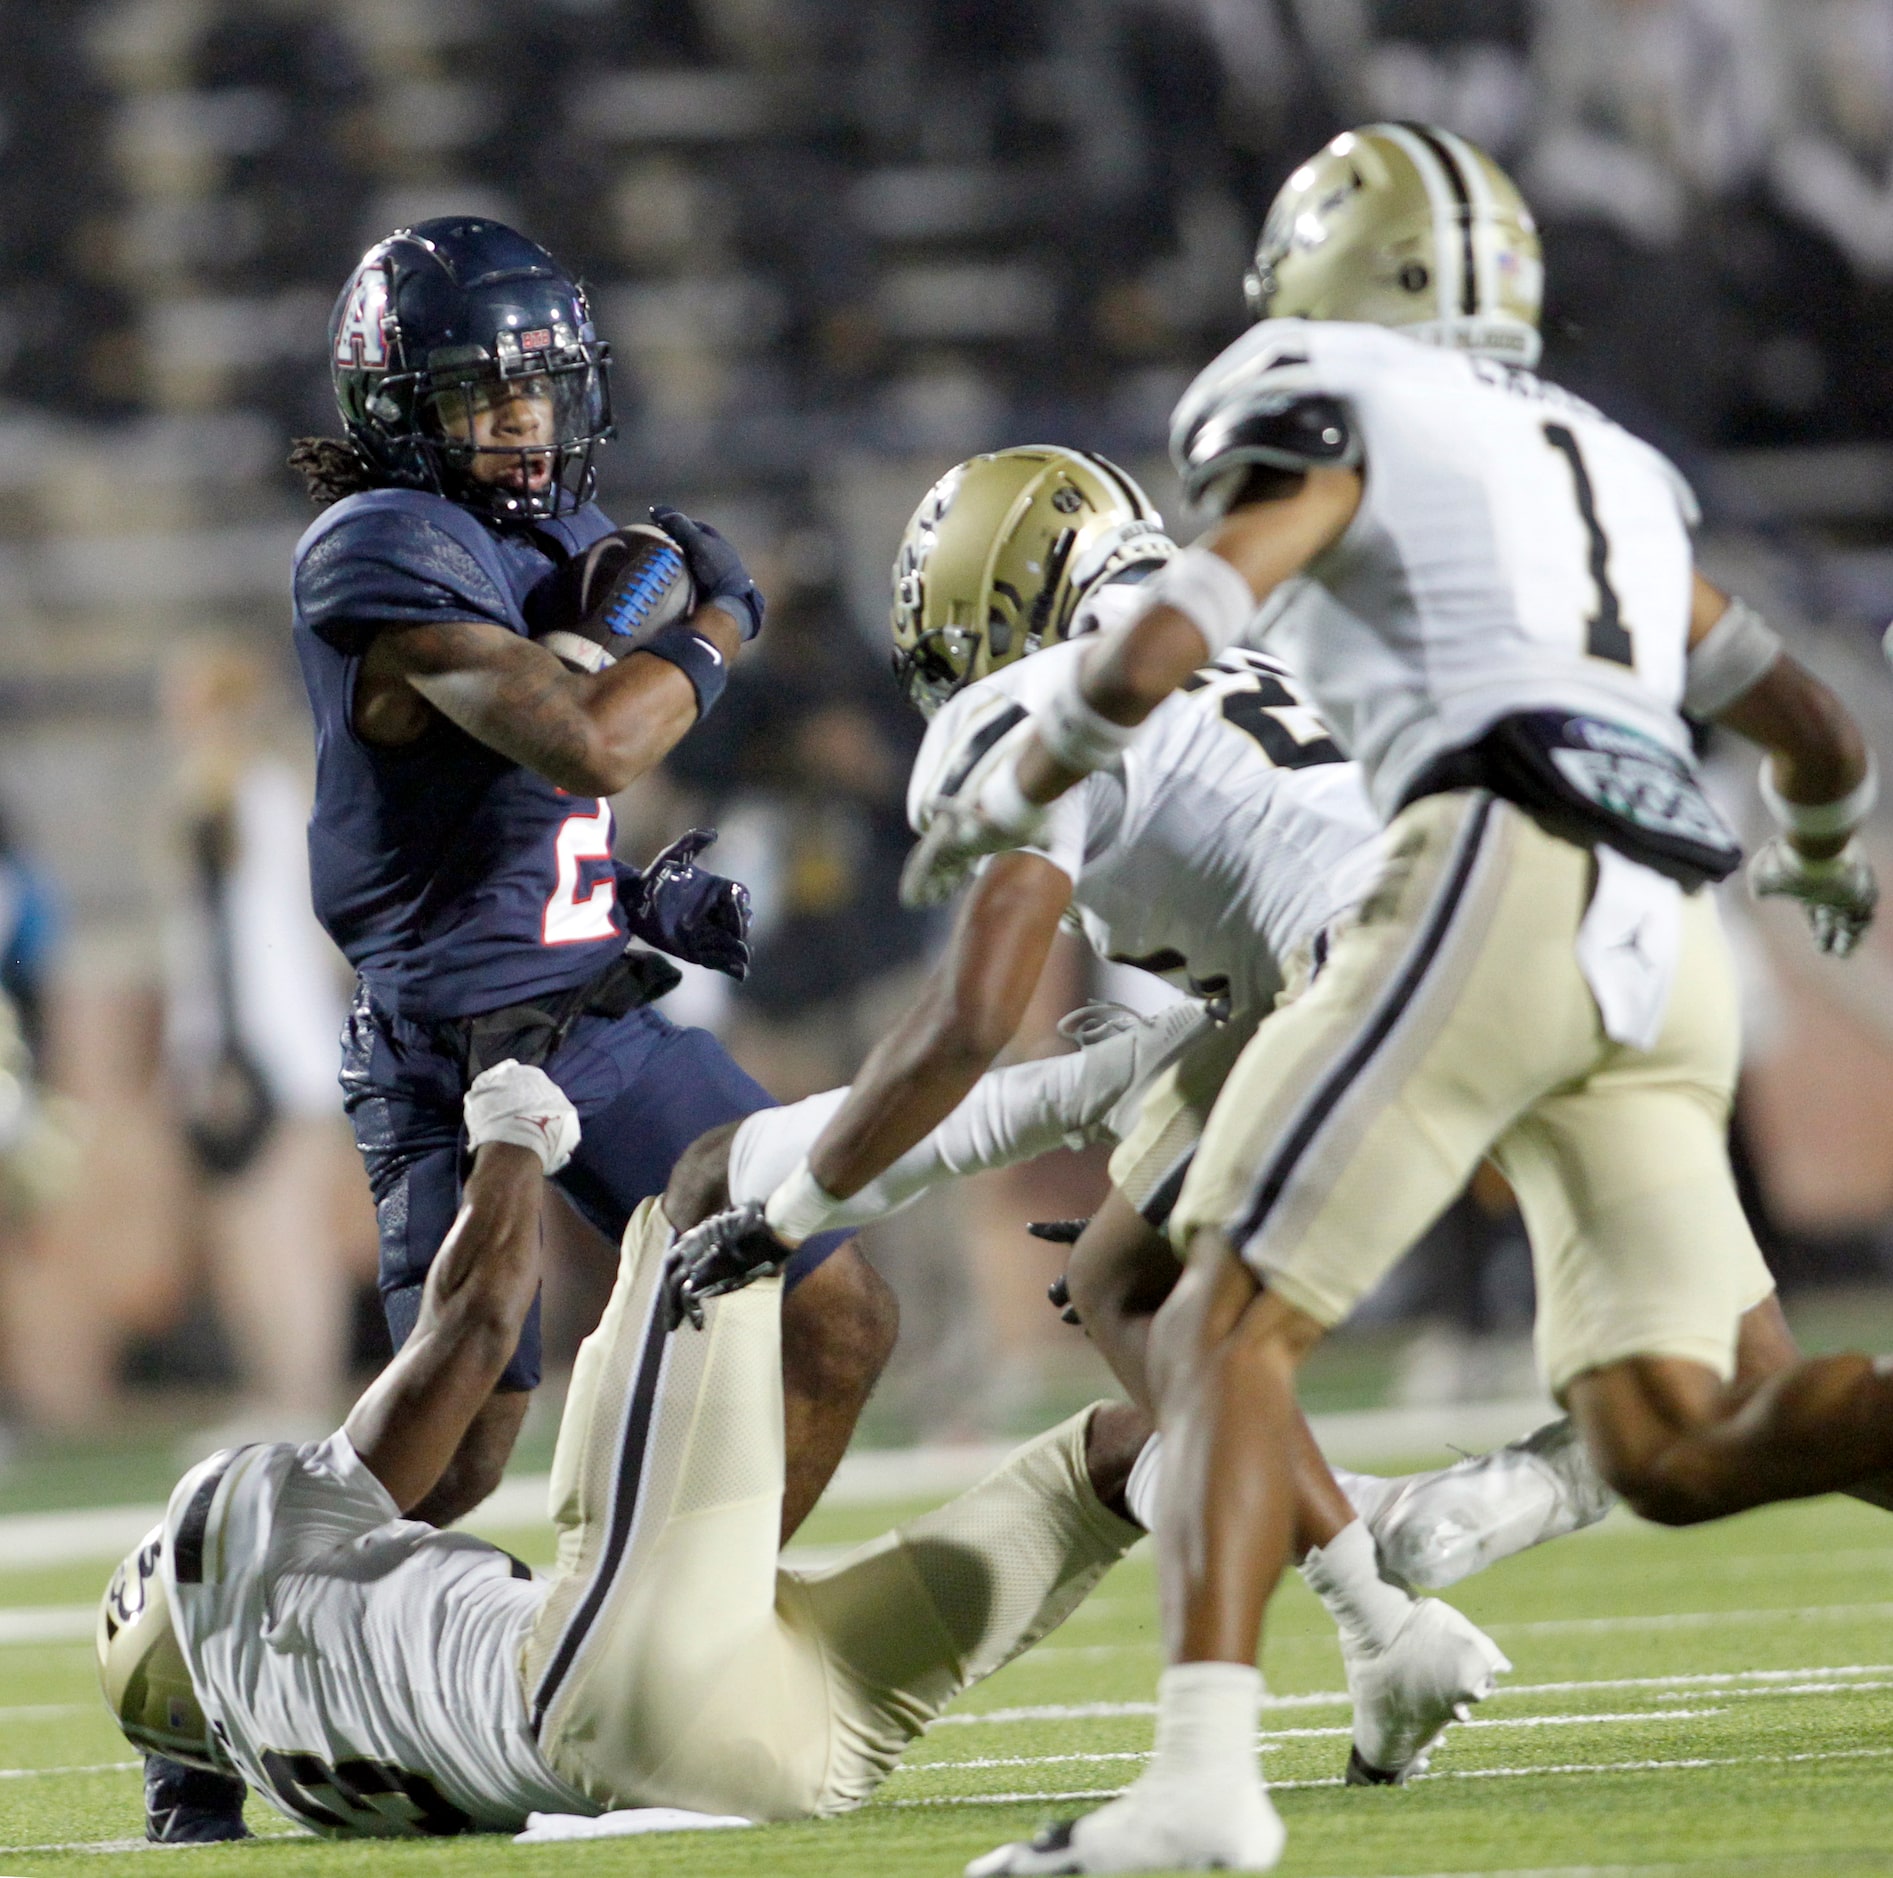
(1822, 820)
(800, 1207)
(1728, 659)
(1075, 733)
(684, 647)
(1208, 592)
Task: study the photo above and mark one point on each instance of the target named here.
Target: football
(625, 587)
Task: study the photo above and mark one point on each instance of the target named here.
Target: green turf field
(1712, 1702)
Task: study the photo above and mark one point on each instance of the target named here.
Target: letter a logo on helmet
(360, 338)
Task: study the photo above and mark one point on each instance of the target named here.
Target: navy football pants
(644, 1090)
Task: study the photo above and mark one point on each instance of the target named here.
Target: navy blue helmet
(465, 362)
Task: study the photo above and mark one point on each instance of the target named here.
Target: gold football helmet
(1410, 226)
(998, 555)
(141, 1666)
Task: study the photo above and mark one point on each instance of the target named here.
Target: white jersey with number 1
(1228, 836)
(1514, 549)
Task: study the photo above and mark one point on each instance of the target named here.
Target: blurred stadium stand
(836, 244)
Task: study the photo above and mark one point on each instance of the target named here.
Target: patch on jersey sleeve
(1283, 431)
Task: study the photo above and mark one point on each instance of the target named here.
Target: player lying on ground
(374, 1675)
(1489, 590)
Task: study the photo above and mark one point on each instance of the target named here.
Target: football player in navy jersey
(461, 843)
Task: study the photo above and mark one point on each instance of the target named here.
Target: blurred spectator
(1649, 108)
(1656, 118)
(29, 937)
(253, 1015)
(1833, 167)
(1461, 63)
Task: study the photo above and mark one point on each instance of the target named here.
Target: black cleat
(191, 1805)
(1059, 1291)
(1359, 1774)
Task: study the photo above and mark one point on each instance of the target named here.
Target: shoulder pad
(383, 513)
(1279, 430)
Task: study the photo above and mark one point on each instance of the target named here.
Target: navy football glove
(686, 910)
(722, 579)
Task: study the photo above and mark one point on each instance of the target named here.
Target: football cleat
(1431, 1530)
(721, 1254)
(1155, 1826)
(191, 1805)
(1408, 1694)
(1124, 1052)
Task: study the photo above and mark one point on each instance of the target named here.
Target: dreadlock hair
(331, 468)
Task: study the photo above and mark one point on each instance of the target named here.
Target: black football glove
(721, 578)
(686, 910)
(722, 1253)
(1060, 1232)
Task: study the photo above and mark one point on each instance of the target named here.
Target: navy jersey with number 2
(454, 880)
(457, 881)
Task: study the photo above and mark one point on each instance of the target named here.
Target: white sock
(1206, 1723)
(1011, 1114)
(1146, 1477)
(1345, 1575)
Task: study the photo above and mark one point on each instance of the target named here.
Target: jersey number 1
(1606, 636)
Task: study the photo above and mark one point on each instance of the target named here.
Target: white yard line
(49, 1623)
(1552, 1626)
(47, 1773)
(1273, 1737)
(1812, 1681)
(1693, 1620)
(867, 1477)
(90, 1845)
(1468, 1773)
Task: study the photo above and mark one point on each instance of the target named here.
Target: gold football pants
(1451, 1021)
(676, 1664)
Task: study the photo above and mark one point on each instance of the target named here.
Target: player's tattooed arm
(591, 733)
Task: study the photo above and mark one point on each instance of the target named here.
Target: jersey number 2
(1606, 636)
(570, 916)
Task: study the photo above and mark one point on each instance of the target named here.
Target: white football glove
(986, 814)
(1839, 894)
(516, 1103)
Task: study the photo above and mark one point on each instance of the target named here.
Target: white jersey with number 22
(1230, 833)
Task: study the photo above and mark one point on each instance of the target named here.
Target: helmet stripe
(1437, 148)
(1121, 482)
(1482, 222)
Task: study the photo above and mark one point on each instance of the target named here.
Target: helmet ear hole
(1415, 276)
